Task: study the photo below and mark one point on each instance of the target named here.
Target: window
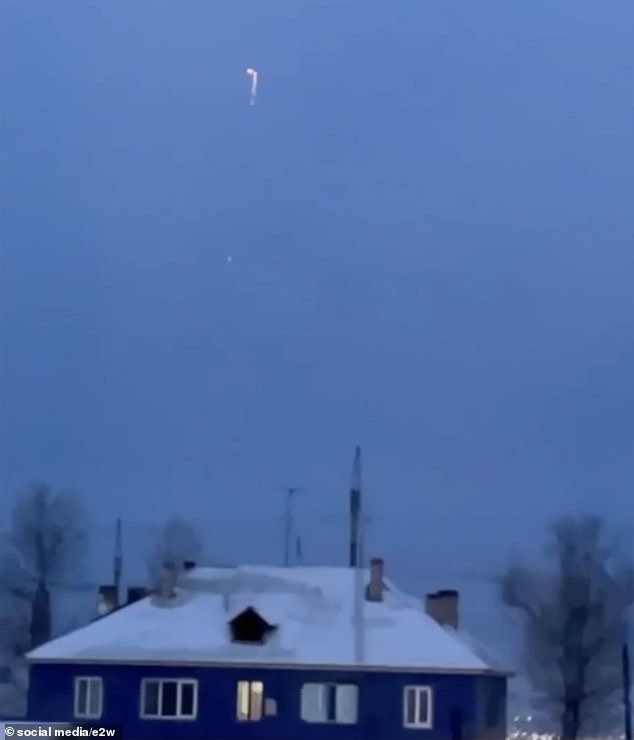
(250, 700)
(329, 702)
(88, 697)
(417, 706)
(171, 698)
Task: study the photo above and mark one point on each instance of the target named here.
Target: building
(284, 653)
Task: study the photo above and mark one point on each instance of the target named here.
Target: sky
(429, 215)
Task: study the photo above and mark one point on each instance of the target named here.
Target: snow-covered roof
(314, 609)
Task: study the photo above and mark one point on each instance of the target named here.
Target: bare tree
(574, 616)
(41, 548)
(178, 541)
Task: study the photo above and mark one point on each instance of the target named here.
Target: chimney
(189, 564)
(136, 593)
(374, 591)
(442, 606)
(169, 575)
(107, 599)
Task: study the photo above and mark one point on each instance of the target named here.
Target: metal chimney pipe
(169, 576)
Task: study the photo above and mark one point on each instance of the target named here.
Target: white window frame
(91, 682)
(180, 682)
(417, 724)
(250, 684)
(324, 687)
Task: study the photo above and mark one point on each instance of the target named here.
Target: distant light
(253, 74)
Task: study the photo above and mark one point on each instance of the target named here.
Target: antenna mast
(289, 526)
(356, 558)
(118, 563)
(355, 511)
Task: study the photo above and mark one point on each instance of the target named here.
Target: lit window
(250, 701)
(169, 698)
(329, 702)
(417, 706)
(88, 697)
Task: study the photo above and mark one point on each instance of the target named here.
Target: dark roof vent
(189, 564)
(250, 627)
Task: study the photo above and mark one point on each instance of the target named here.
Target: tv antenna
(289, 527)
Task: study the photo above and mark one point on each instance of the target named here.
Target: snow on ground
(313, 608)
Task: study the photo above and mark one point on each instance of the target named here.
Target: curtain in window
(423, 707)
(151, 698)
(82, 696)
(256, 699)
(346, 703)
(187, 699)
(313, 703)
(244, 690)
(94, 696)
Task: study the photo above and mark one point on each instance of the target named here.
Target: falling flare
(253, 74)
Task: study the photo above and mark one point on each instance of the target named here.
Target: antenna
(289, 525)
(356, 557)
(355, 511)
(118, 563)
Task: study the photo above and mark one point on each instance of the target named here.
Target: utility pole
(118, 564)
(355, 511)
(627, 688)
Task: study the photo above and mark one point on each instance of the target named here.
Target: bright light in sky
(253, 74)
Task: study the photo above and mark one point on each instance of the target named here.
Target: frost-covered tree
(42, 547)
(574, 616)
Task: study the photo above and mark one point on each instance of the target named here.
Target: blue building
(284, 653)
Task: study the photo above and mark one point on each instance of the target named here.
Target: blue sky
(430, 218)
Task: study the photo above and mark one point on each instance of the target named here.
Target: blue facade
(464, 706)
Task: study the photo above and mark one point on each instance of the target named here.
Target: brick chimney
(136, 593)
(375, 588)
(442, 606)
